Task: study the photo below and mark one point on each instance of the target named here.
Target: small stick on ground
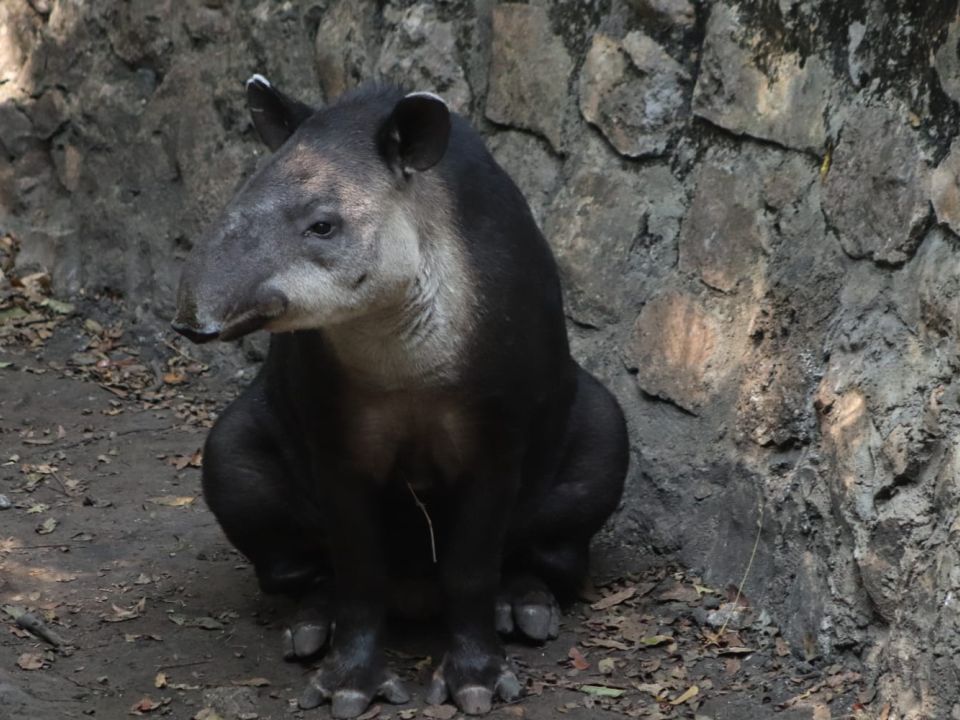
(35, 626)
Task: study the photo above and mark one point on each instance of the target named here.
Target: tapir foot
(473, 681)
(350, 687)
(307, 633)
(526, 607)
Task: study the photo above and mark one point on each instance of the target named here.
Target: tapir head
(328, 229)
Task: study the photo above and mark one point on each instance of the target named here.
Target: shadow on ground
(107, 543)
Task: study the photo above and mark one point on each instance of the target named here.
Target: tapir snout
(223, 300)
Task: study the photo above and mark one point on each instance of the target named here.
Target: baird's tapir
(419, 434)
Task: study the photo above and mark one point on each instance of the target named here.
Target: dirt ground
(106, 542)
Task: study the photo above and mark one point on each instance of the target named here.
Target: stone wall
(755, 206)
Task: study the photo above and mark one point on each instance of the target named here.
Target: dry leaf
(122, 614)
(30, 661)
(654, 640)
(577, 659)
(146, 704)
(173, 500)
(602, 691)
(371, 713)
(618, 597)
(607, 666)
(608, 643)
(210, 714)
(47, 526)
(252, 682)
(440, 712)
(691, 693)
(160, 681)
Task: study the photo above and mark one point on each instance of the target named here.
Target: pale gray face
(327, 230)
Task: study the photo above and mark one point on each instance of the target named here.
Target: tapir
(419, 437)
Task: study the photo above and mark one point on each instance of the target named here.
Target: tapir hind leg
(548, 553)
(253, 494)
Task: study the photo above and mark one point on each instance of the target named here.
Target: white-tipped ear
(427, 94)
(275, 115)
(416, 134)
(259, 79)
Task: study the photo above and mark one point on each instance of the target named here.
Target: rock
(529, 73)
(947, 61)
(724, 235)
(632, 90)
(16, 130)
(531, 165)
(945, 188)
(876, 193)
(231, 702)
(421, 53)
(784, 104)
(592, 224)
(683, 350)
(856, 65)
(343, 56)
(674, 13)
(5, 503)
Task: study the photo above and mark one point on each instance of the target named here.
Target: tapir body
(419, 434)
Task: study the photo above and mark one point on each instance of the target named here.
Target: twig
(423, 509)
(35, 626)
(183, 664)
(746, 573)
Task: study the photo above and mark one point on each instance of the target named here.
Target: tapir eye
(321, 229)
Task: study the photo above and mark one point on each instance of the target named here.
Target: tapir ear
(415, 136)
(275, 115)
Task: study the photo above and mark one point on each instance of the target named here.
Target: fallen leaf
(782, 648)
(173, 500)
(60, 308)
(884, 712)
(30, 661)
(407, 714)
(160, 681)
(691, 693)
(209, 714)
(615, 599)
(608, 643)
(602, 691)
(577, 659)
(252, 682)
(440, 712)
(651, 689)
(371, 713)
(174, 378)
(654, 640)
(145, 705)
(607, 666)
(735, 650)
(122, 614)
(47, 526)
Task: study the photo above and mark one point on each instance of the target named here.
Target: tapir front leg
(355, 669)
(474, 669)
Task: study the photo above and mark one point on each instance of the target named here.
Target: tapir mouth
(234, 327)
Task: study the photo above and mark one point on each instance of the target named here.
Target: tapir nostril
(197, 335)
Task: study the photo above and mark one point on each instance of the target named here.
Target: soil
(108, 544)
